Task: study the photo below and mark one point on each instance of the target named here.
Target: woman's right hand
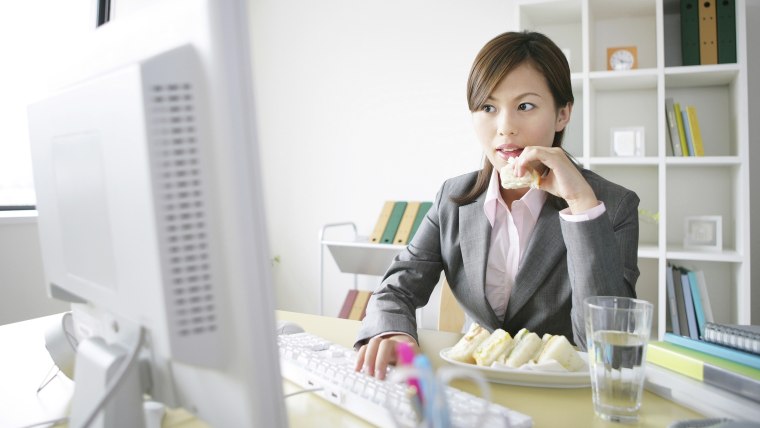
(374, 357)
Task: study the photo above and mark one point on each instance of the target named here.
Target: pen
(435, 407)
(406, 358)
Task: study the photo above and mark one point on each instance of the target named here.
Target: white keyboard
(313, 362)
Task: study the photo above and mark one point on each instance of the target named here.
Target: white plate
(543, 379)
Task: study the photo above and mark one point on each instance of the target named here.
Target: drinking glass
(617, 332)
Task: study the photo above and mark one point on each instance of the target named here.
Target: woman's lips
(505, 152)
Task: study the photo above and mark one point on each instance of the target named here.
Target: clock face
(621, 58)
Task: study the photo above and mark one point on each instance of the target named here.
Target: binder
(424, 208)
(688, 300)
(708, 33)
(687, 132)
(696, 133)
(672, 302)
(725, 374)
(705, 296)
(348, 303)
(743, 337)
(675, 139)
(740, 357)
(679, 124)
(726, 22)
(360, 305)
(407, 221)
(385, 214)
(690, 32)
(682, 322)
(393, 221)
(699, 311)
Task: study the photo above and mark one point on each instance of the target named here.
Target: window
(35, 37)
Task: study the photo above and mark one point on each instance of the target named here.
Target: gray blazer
(564, 263)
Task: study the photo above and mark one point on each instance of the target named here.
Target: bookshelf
(673, 187)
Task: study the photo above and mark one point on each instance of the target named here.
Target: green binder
(690, 32)
(393, 222)
(726, 21)
(424, 207)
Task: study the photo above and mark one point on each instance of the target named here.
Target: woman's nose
(506, 125)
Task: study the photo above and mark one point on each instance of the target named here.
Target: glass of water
(617, 332)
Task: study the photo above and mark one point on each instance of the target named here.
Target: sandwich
(498, 344)
(510, 181)
(466, 346)
(559, 349)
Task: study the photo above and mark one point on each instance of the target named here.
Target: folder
(393, 221)
(696, 133)
(348, 304)
(360, 305)
(675, 139)
(726, 22)
(681, 132)
(385, 214)
(407, 221)
(687, 132)
(424, 207)
(690, 32)
(708, 33)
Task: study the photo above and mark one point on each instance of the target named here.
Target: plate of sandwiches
(550, 361)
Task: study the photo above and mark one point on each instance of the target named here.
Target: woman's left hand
(562, 179)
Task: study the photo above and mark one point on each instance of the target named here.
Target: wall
(358, 103)
(753, 68)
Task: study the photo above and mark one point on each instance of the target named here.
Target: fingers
(380, 352)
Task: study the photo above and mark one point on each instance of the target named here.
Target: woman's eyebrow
(517, 97)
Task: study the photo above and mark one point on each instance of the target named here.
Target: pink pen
(405, 355)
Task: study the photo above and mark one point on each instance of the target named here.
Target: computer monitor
(149, 196)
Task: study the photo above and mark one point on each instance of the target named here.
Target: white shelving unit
(674, 187)
(357, 256)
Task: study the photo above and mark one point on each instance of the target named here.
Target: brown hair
(498, 58)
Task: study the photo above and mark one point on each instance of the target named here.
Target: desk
(24, 362)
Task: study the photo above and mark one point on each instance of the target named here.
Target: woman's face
(519, 113)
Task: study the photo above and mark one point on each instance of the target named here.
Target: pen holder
(431, 407)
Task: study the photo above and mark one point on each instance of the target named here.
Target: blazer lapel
(474, 239)
(546, 246)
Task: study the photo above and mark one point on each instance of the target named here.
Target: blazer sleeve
(408, 282)
(602, 254)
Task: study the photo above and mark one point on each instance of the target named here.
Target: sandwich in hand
(510, 181)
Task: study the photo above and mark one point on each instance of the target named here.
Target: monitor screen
(149, 198)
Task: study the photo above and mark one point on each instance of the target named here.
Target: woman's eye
(526, 107)
(489, 108)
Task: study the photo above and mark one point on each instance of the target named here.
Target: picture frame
(703, 233)
(627, 141)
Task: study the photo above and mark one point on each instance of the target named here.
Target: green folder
(393, 222)
(424, 207)
(690, 32)
(726, 22)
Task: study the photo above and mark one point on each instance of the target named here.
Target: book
(682, 322)
(688, 301)
(407, 221)
(735, 355)
(725, 19)
(670, 116)
(696, 297)
(703, 398)
(681, 134)
(743, 337)
(424, 208)
(737, 378)
(708, 33)
(690, 32)
(687, 132)
(705, 295)
(348, 303)
(672, 304)
(393, 221)
(696, 133)
(359, 308)
(385, 214)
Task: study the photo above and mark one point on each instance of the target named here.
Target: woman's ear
(563, 117)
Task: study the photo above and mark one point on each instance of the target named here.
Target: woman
(514, 258)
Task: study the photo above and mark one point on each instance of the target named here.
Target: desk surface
(24, 362)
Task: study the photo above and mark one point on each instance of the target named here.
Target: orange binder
(407, 221)
(708, 33)
(360, 305)
(385, 214)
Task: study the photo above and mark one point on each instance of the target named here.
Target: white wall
(358, 103)
(753, 68)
